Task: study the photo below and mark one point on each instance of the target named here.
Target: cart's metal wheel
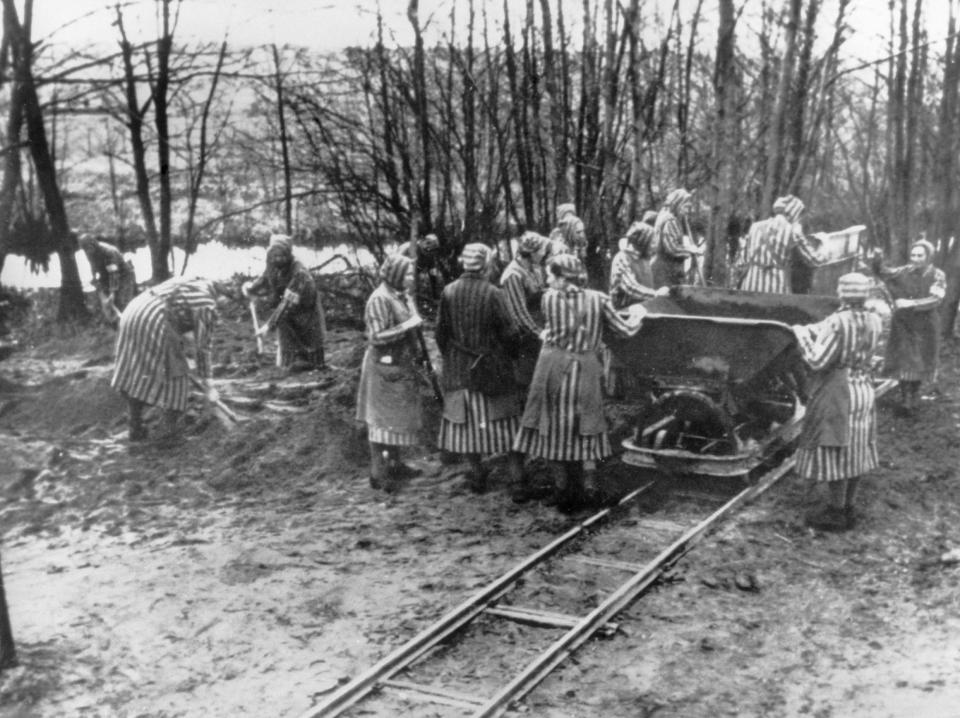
(688, 420)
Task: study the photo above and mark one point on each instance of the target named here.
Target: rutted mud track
(245, 572)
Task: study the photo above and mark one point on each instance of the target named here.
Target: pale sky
(330, 24)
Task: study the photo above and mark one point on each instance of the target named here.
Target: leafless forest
(482, 127)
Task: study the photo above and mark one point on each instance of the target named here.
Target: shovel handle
(256, 327)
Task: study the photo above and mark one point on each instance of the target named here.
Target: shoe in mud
(401, 470)
(828, 518)
(591, 489)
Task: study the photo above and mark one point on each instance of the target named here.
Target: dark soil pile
(249, 571)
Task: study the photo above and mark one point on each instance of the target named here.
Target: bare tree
(71, 291)
(8, 650)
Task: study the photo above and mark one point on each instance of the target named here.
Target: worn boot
(476, 476)
(570, 497)
(397, 470)
(378, 465)
(828, 518)
(138, 432)
(851, 492)
(520, 489)
(169, 427)
(591, 489)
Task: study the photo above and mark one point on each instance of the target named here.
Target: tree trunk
(725, 144)
(424, 210)
(162, 123)
(945, 171)
(775, 149)
(71, 291)
(8, 650)
(134, 118)
(284, 151)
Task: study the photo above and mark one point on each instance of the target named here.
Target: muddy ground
(248, 572)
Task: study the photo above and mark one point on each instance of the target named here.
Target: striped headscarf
(675, 198)
(927, 247)
(650, 217)
(853, 286)
(394, 270)
(640, 236)
(280, 240)
(564, 209)
(789, 206)
(475, 257)
(569, 267)
(531, 244)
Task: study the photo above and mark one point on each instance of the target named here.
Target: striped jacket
(631, 279)
(151, 363)
(840, 428)
(522, 289)
(767, 254)
(473, 320)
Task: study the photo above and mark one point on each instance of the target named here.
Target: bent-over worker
(388, 399)
(151, 358)
(838, 442)
(297, 312)
(113, 274)
(481, 400)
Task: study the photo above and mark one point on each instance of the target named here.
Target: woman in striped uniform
(838, 443)
(914, 344)
(670, 242)
(769, 249)
(570, 231)
(388, 399)
(151, 364)
(563, 419)
(631, 281)
(631, 277)
(113, 275)
(298, 314)
(481, 410)
(523, 285)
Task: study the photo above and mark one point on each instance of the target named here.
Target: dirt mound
(72, 405)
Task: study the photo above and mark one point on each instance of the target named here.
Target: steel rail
(628, 592)
(544, 664)
(352, 692)
(381, 673)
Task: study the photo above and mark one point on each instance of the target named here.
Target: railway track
(544, 596)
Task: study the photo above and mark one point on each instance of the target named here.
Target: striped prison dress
(151, 363)
(668, 238)
(388, 398)
(839, 437)
(473, 321)
(631, 278)
(563, 417)
(767, 254)
(913, 348)
(522, 289)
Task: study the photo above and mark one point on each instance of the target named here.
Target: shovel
(256, 327)
(224, 414)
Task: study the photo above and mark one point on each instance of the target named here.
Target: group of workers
(522, 370)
